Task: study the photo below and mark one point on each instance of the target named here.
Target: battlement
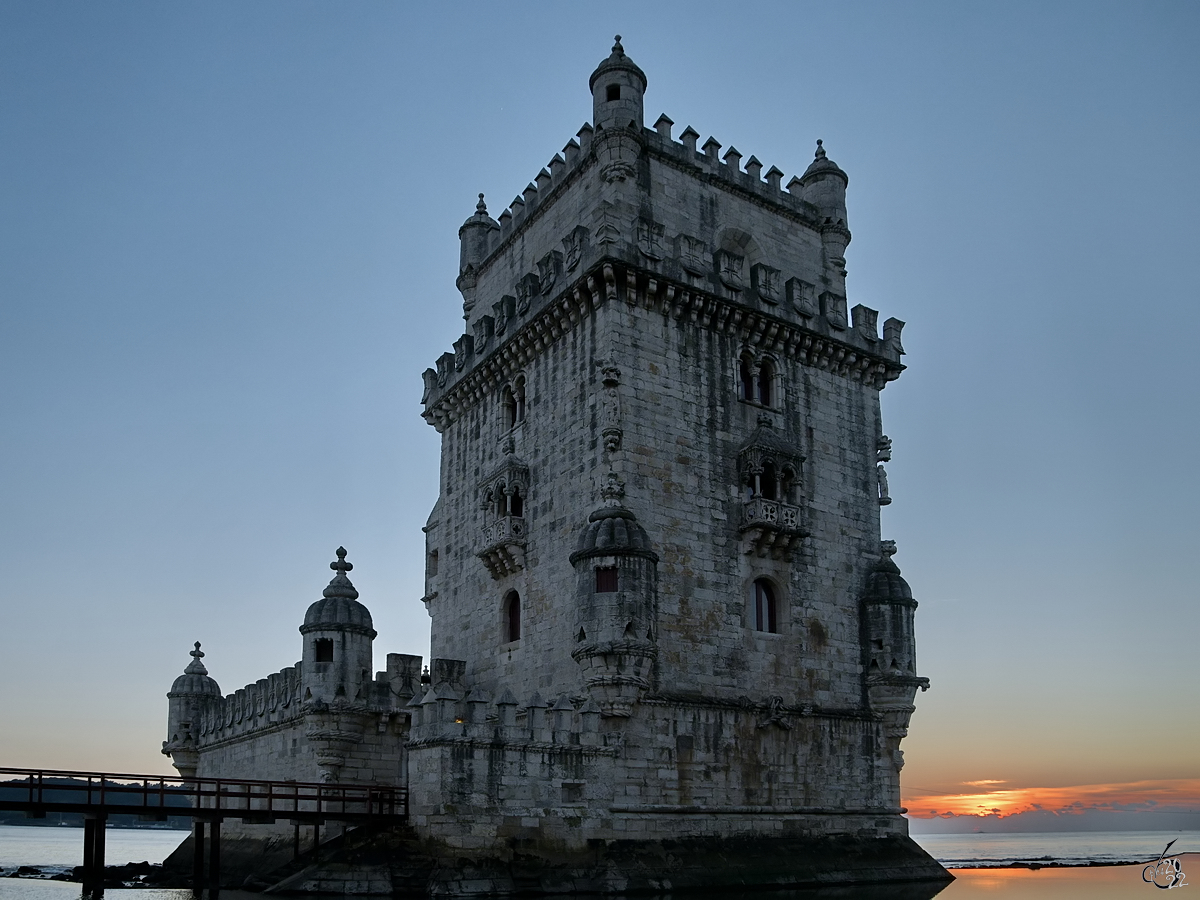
(811, 330)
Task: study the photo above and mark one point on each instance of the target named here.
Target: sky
(228, 249)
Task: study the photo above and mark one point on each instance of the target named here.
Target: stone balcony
(504, 546)
(771, 528)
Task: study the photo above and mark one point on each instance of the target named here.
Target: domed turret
(617, 86)
(189, 693)
(890, 654)
(338, 632)
(474, 241)
(824, 185)
(616, 593)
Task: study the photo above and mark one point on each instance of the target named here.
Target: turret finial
(820, 154)
(617, 48)
(481, 207)
(341, 565)
(195, 667)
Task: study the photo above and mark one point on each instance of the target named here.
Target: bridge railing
(76, 791)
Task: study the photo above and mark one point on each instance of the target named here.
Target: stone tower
(661, 609)
(669, 648)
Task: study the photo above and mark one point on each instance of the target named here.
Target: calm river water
(55, 849)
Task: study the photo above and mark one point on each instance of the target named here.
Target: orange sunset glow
(992, 798)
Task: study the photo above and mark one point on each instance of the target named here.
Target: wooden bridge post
(93, 855)
(214, 857)
(197, 857)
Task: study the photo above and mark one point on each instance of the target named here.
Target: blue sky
(228, 249)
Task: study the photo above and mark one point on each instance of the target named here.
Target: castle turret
(474, 239)
(889, 650)
(186, 700)
(337, 642)
(616, 590)
(824, 184)
(618, 85)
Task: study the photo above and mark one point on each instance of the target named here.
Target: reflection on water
(1098, 883)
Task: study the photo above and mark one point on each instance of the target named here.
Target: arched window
(768, 484)
(500, 502)
(766, 608)
(747, 381)
(766, 382)
(519, 399)
(512, 617)
(516, 506)
(508, 406)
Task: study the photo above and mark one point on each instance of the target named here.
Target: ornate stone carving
(610, 407)
(693, 255)
(769, 469)
(527, 288)
(883, 449)
(650, 238)
(548, 267)
(573, 245)
(502, 497)
(729, 269)
(765, 282)
(884, 498)
(803, 297)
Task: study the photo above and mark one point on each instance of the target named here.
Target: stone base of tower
(399, 866)
(623, 867)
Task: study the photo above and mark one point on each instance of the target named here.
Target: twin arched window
(766, 607)
(506, 502)
(756, 381)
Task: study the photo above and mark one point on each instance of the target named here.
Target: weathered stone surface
(665, 632)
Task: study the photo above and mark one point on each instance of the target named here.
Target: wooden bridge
(97, 795)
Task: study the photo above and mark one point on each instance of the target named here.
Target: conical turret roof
(617, 60)
(886, 583)
(339, 608)
(822, 164)
(195, 679)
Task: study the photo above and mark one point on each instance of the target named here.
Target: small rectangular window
(572, 792)
(614, 92)
(606, 580)
(323, 650)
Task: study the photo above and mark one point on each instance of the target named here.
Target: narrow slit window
(606, 580)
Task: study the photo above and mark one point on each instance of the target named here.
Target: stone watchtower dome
(188, 693)
(337, 633)
(616, 589)
(617, 85)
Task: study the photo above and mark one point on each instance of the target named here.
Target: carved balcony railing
(771, 528)
(504, 546)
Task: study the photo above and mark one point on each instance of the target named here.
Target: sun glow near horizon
(1166, 795)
